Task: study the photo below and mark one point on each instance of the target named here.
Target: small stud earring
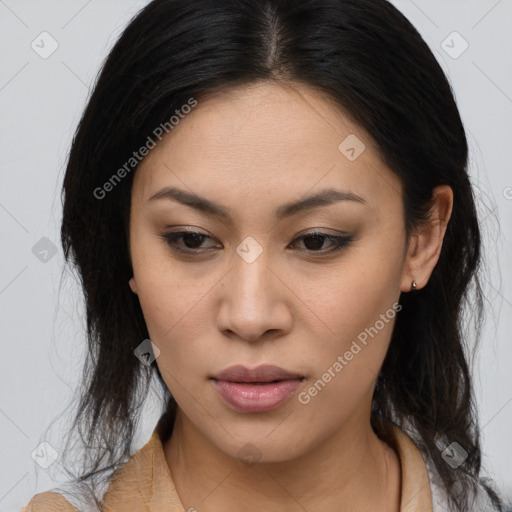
(414, 285)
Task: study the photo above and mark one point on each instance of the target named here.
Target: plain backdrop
(41, 99)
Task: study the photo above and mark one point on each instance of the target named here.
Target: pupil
(318, 238)
(197, 237)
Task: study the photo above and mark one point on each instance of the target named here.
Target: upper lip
(263, 373)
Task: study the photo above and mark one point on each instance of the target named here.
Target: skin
(251, 149)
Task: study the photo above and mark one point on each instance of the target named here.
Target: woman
(269, 208)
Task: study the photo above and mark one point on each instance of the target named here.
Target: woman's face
(256, 285)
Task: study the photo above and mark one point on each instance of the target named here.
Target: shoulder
(478, 497)
(49, 501)
(127, 488)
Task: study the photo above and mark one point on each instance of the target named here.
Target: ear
(133, 284)
(426, 243)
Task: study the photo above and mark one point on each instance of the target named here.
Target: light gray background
(41, 100)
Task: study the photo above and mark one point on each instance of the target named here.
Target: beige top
(145, 483)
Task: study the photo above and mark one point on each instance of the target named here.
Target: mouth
(261, 389)
(263, 374)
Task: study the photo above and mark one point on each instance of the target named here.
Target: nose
(254, 301)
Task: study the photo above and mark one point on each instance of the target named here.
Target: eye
(192, 240)
(315, 241)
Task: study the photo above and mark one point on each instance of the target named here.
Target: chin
(262, 447)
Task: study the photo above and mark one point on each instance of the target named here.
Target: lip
(256, 390)
(262, 373)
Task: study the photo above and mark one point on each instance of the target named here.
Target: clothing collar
(145, 481)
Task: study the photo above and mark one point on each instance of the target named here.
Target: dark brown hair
(368, 58)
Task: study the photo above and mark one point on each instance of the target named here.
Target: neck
(352, 471)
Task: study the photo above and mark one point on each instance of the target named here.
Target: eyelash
(340, 242)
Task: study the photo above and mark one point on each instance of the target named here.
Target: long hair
(367, 57)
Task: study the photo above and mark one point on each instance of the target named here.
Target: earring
(414, 285)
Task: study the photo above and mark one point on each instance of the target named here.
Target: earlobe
(408, 275)
(426, 244)
(133, 285)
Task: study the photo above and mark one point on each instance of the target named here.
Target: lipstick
(260, 389)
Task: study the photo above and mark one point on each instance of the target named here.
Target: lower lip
(250, 397)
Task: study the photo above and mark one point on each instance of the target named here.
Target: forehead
(266, 139)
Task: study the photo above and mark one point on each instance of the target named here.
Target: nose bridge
(249, 305)
(250, 273)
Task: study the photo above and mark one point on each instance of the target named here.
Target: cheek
(347, 359)
(354, 308)
(177, 312)
(341, 304)
(176, 301)
(167, 291)
(175, 326)
(173, 311)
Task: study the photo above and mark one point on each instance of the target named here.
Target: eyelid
(180, 233)
(340, 241)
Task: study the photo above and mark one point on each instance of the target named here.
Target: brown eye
(314, 242)
(191, 241)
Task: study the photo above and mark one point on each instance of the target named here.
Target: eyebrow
(323, 198)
